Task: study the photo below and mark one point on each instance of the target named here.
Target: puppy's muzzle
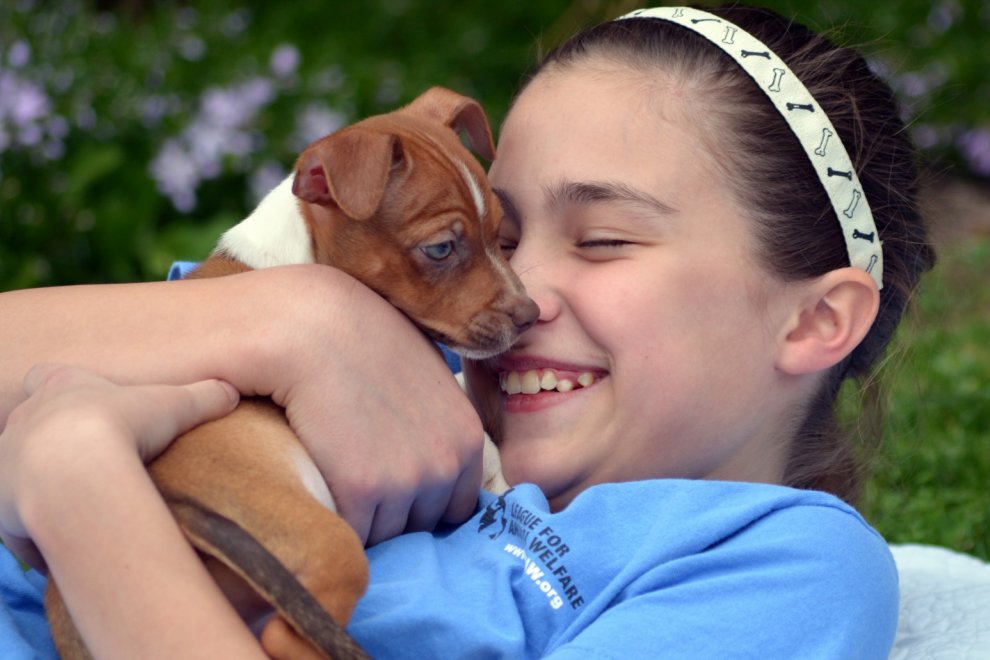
(494, 330)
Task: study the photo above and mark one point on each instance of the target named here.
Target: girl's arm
(370, 397)
(72, 480)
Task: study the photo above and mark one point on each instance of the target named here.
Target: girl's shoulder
(805, 565)
(698, 514)
(635, 568)
(661, 531)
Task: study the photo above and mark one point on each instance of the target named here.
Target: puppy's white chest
(310, 477)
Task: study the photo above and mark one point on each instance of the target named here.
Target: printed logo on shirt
(539, 548)
(494, 514)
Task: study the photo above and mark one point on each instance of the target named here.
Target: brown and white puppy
(398, 202)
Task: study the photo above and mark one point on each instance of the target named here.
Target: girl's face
(654, 351)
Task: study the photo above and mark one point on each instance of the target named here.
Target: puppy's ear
(349, 169)
(460, 113)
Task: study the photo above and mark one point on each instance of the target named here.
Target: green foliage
(126, 102)
(931, 484)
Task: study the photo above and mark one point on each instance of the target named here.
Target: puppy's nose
(524, 314)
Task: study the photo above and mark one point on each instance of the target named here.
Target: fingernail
(232, 392)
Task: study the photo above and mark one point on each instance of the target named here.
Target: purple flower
(222, 106)
(264, 179)
(944, 15)
(22, 101)
(975, 147)
(86, 118)
(914, 84)
(917, 84)
(235, 23)
(155, 108)
(192, 48)
(176, 175)
(925, 136)
(19, 54)
(327, 80)
(217, 133)
(284, 60)
(313, 122)
(25, 116)
(256, 92)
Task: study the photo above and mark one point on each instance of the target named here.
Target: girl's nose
(539, 274)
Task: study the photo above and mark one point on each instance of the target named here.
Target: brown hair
(798, 233)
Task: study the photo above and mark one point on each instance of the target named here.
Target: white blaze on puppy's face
(479, 199)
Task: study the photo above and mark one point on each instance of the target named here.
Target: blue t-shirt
(650, 569)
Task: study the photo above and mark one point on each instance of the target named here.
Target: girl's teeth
(548, 381)
(532, 382)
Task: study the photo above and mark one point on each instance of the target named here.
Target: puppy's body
(399, 203)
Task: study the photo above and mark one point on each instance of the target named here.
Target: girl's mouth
(534, 381)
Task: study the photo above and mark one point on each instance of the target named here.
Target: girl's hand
(372, 399)
(70, 418)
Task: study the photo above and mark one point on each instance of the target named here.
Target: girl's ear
(832, 317)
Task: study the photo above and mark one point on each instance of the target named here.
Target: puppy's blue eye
(438, 251)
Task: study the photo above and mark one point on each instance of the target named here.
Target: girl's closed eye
(507, 246)
(604, 249)
(604, 243)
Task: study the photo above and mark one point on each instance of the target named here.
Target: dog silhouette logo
(494, 515)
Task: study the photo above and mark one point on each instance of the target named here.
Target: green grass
(932, 478)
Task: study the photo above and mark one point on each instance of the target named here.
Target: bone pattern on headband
(809, 123)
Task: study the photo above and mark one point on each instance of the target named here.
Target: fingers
(418, 506)
(415, 493)
(359, 514)
(428, 509)
(153, 415)
(391, 513)
(389, 520)
(464, 494)
(157, 414)
(453, 501)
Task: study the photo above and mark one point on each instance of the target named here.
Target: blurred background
(132, 133)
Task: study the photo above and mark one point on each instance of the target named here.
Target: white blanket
(945, 605)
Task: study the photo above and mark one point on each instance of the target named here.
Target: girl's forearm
(134, 586)
(164, 332)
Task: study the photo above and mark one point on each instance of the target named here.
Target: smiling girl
(709, 267)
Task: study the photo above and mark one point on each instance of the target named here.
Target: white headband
(807, 120)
